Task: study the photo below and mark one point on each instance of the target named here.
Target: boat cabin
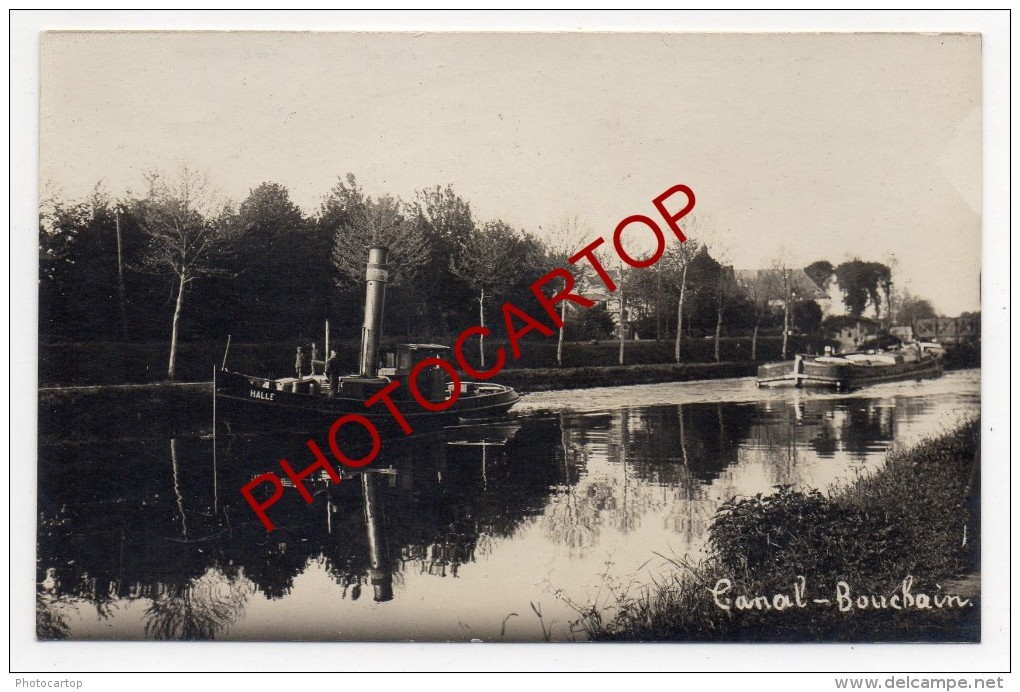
(397, 363)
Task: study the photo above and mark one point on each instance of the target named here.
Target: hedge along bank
(518, 323)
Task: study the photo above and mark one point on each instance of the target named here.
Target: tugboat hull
(292, 403)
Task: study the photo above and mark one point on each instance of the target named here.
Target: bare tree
(487, 263)
(675, 263)
(726, 290)
(563, 241)
(784, 288)
(759, 285)
(187, 228)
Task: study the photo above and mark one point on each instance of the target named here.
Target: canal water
(497, 533)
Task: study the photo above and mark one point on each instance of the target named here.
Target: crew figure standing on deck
(315, 357)
(299, 363)
(332, 372)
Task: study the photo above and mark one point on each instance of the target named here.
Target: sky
(814, 146)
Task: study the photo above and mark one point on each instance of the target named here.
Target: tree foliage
(78, 269)
(821, 272)
(807, 316)
(446, 223)
(185, 223)
(488, 259)
(358, 223)
(278, 253)
(910, 308)
(863, 283)
(269, 272)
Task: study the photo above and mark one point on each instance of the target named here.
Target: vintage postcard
(510, 337)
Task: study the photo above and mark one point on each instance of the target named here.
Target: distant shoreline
(523, 379)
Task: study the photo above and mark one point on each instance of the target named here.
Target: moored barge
(855, 370)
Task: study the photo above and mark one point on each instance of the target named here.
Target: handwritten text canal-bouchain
(843, 597)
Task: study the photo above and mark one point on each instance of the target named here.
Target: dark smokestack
(375, 298)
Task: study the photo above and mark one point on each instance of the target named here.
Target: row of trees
(181, 262)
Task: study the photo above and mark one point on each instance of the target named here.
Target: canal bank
(893, 556)
(548, 379)
(141, 410)
(186, 405)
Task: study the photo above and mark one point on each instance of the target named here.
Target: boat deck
(845, 373)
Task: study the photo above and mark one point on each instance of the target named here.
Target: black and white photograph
(511, 337)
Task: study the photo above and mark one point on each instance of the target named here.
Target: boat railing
(307, 384)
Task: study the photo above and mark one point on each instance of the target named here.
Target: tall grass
(916, 517)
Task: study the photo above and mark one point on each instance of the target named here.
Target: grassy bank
(916, 517)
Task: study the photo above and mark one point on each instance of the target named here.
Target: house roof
(802, 283)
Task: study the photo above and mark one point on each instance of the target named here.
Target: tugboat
(297, 399)
(849, 371)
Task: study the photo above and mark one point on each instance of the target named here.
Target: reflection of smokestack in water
(380, 575)
(375, 297)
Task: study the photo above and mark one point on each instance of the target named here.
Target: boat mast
(375, 297)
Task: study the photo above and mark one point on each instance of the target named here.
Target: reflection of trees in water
(825, 443)
(690, 444)
(49, 621)
(52, 599)
(138, 520)
(177, 487)
(273, 565)
(575, 517)
(639, 462)
(689, 519)
(689, 512)
(450, 509)
(343, 575)
(200, 610)
(625, 514)
(782, 458)
(867, 423)
(826, 426)
(909, 408)
(438, 559)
